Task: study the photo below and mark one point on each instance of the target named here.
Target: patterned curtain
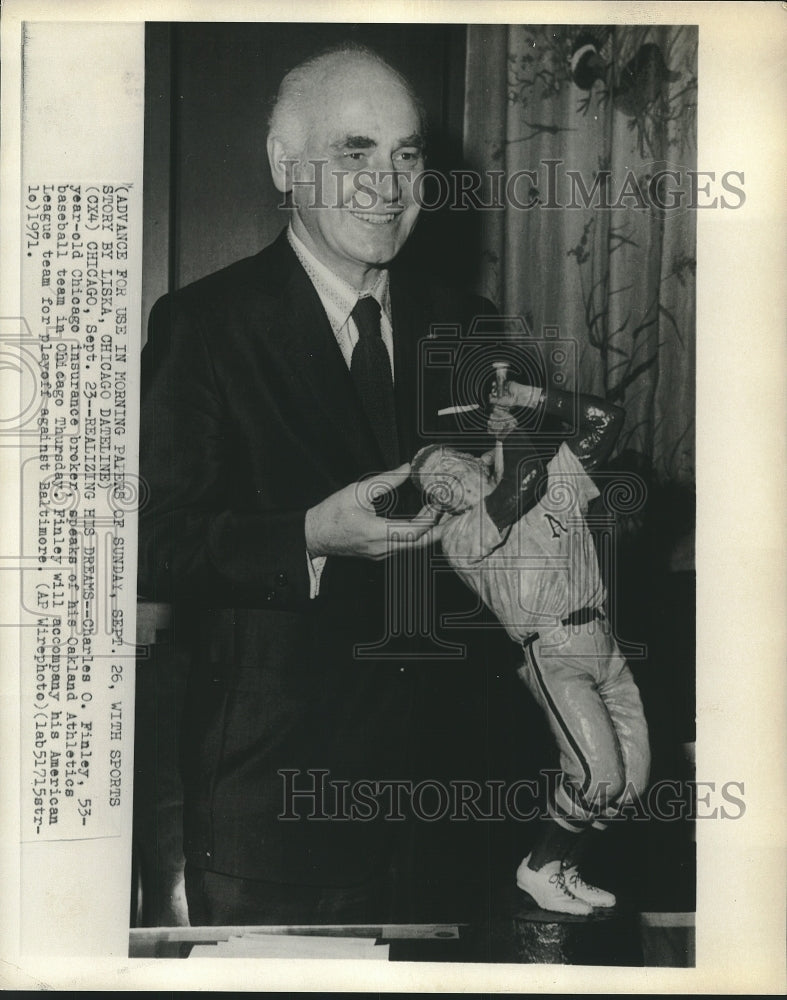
(612, 266)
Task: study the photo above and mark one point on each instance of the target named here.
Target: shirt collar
(338, 296)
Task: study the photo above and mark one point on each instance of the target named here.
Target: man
(270, 390)
(520, 540)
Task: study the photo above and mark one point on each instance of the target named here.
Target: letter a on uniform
(555, 525)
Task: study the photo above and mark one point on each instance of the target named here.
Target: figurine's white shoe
(548, 888)
(591, 894)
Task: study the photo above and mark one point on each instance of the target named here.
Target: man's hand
(515, 395)
(501, 422)
(345, 523)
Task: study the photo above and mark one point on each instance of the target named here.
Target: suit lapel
(315, 359)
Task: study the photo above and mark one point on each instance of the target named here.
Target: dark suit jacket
(250, 417)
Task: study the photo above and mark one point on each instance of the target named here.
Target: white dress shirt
(338, 299)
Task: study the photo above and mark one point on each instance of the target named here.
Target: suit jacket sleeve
(196, 543)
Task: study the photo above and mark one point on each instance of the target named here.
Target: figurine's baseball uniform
(540, 575)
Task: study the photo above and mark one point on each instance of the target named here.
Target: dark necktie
(371, 370)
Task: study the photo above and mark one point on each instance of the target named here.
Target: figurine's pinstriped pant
(584, 685)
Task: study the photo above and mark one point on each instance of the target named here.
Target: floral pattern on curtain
(614, 106)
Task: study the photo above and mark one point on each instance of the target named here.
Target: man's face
(364, 135)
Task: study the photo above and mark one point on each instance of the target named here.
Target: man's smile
(376, 218)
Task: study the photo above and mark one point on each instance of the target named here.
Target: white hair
(288, 120)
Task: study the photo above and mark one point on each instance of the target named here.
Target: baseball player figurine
(518, 537)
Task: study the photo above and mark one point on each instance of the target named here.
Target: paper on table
(293, 946)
